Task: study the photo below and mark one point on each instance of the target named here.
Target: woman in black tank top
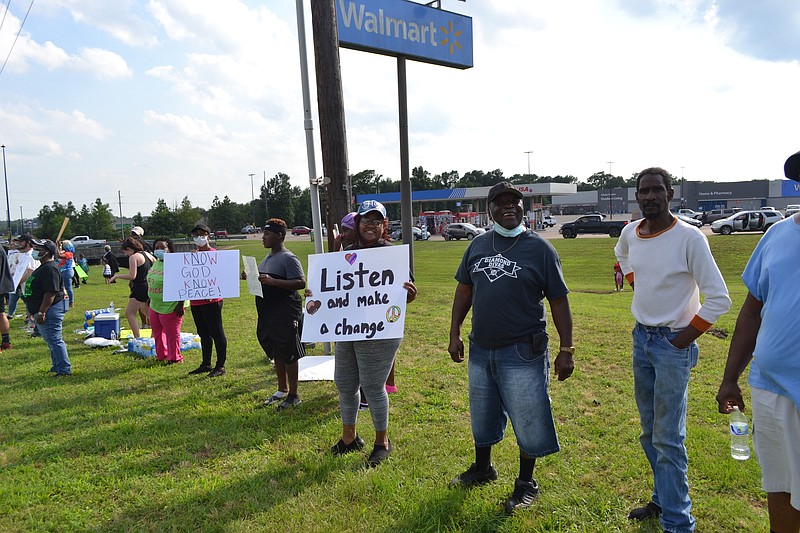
(139, 263)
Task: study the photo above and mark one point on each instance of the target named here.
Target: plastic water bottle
(113, 335)
(740, 429)
(111, 307)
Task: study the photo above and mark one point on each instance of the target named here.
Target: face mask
(39, 255)
(159, 254)
(201, 240)
(509, 232)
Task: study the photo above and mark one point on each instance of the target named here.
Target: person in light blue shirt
(768, 334)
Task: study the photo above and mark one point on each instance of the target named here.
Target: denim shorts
(511, 382)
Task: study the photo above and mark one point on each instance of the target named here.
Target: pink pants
(167, 334)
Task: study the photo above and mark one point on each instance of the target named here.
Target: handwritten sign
(251, 271)
(356, 295)
(201, 275)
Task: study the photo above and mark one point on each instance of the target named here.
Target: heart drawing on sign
(351, 258)
(312, 306)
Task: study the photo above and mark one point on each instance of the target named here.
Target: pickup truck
(84, 240)
(592, 224)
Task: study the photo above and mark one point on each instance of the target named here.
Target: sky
(141, 100)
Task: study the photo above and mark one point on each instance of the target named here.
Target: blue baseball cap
(369, 206)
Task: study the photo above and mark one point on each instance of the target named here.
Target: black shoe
(524, 494)
(474, 476)
(275, 398)
(340, 448)
(217, 372)
(379, 454)
(290, 401)
(651, 510)
(202, 369)
(62, 375)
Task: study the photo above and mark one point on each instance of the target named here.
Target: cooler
(105, 324)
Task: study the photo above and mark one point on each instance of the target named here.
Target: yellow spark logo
(450, 38)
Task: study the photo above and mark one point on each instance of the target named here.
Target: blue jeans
(661, 379)
(51, 333)
(13, 299)
(66, 275)
(511, 382)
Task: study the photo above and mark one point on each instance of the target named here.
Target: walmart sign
(790, 188)
(407, 29)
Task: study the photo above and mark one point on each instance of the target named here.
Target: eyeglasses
(371, 222)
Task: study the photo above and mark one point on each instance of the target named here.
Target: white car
(691, 213)
(791, 209)
(549, 221)
(746, 221)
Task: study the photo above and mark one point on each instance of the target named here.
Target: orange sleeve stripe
(700, 324)
(629, 277)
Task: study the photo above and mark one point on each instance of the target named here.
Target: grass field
(126, 444)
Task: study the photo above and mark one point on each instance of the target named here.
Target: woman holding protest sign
(165, 317)
(207, 316)
(280, 312)
(367, 363)
(139, 262)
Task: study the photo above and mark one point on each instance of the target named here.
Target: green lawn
(130, 445)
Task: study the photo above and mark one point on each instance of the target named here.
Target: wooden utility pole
(330, 102)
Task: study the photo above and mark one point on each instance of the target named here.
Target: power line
(4, 15)
(17, 36)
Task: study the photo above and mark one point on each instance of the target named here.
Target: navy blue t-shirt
(510, 279)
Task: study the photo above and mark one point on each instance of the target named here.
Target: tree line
(278, 198)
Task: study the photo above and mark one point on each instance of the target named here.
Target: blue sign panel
(407, 29)
(790, 188)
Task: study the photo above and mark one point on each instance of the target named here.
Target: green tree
(421, 179)
(100, 224)
(186, 217)
(51, 218)
(280, 198)
(223, 214)
(366, 182)
(161, 221)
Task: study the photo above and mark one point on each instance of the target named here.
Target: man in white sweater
(668, 263)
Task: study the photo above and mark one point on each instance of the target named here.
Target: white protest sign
(356, 295)
(251, 271)
(201, 275)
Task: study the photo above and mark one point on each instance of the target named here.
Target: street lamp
(252, 192)
(610, 209)
(529, 152)
(8, 205)
(683, 189)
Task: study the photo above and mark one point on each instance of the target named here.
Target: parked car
(249, 229)
(591, 224)
(84, 240)
(768, 208)
(719, 214)
(791, 209)
(220, 234)
(461, 230)
(691, 213)
(397, 235)
(301, 230)
(689, 220)
(549, 221)
(747, 221)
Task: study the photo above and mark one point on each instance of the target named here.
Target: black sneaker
(290, 401)
(379, 454)
(217, 372)
(651, 510)
(340, 448)
(474, 476)
(202, 369)
(524, 494)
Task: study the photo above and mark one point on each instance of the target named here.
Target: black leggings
(208, 319)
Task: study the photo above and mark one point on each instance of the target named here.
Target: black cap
(502, 187)
(47, 244)
(792, 167)
(201, 227)
(25, 237)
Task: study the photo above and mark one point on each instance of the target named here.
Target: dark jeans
(208, 319)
